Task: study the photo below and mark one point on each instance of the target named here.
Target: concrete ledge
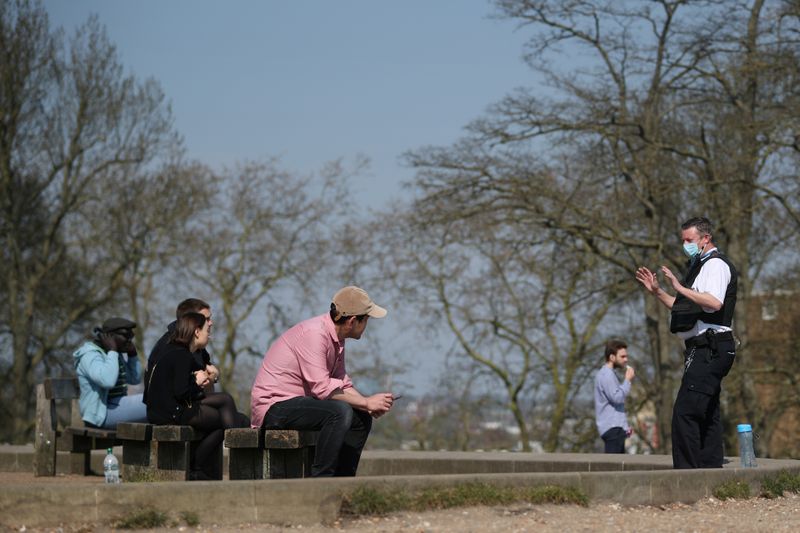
(427, 463)
(628, 480)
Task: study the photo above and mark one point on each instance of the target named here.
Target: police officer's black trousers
(696, 424)
(696, 430)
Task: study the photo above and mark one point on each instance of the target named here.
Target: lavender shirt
(307, 360)
(609, 400)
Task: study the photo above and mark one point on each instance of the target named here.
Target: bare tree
(257, 253)
(668, 109)
(527, 325)
(150, 214)
(70, 121)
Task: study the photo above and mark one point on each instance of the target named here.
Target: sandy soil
(709, 515)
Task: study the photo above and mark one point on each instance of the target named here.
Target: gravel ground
(709, 515)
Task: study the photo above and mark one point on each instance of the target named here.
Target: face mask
(690, 249)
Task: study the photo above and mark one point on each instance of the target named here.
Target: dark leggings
(216, 414)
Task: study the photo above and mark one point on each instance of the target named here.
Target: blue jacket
(97, 373)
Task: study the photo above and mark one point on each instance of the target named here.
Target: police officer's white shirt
(714, 276)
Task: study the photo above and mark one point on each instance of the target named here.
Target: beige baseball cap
(354, 301)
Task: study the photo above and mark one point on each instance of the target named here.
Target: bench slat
(289, 438)
(175, 433)
(61, 389)
(242, 438)
(95, 433)
(271, 438)
(81, 442)
(134, 431)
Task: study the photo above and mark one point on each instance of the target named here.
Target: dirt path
(709, 515)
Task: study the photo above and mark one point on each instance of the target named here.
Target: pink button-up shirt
(307, 360)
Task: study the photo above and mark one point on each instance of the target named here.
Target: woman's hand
(201, 378)
(213, 373)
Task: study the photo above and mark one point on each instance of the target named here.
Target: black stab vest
(723, 317)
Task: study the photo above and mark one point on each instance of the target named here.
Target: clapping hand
(671, 277)
(648, 279)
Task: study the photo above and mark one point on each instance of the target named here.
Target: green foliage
(369, 501)
(776, 486)
(372, 501)
(142, 519)
(190, 518)
(557, 495)
(732, 490)
(464, 495)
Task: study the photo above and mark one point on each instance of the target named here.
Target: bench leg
(291, 463)
(246, 463)
(138, 460)
(173, 460)
(45, 438)
(80, 463)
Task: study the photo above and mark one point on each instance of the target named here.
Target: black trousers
(216, 413)
(696, 423)
(343, 431)
(614, 440)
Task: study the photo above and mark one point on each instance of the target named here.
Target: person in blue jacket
(106, 365)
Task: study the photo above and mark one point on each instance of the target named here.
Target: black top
(172, 394)
(201, 356)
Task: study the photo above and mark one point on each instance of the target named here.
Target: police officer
(701, 316)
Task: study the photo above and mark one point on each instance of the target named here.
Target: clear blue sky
(311, 80)
(314, 80)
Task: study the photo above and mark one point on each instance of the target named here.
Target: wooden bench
(158, 453)
(269, 454)
(62, 394)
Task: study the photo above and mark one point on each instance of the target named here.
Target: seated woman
(174, 394)
(105, 365)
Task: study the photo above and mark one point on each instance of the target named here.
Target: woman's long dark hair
(185, 328)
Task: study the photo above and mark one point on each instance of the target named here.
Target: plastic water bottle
(746, 453)
(111, 467)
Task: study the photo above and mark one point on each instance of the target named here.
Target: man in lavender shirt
(302, 384)
(609, 397)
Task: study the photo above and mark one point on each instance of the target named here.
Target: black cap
(117, 323)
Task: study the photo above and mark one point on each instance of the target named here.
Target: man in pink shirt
(303, 384)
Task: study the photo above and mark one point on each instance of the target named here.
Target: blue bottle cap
(742, 428)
